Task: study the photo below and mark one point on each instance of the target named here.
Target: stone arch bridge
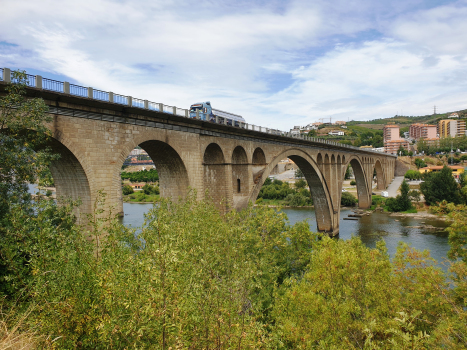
(95, 137)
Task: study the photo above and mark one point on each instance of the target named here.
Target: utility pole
(434, 110)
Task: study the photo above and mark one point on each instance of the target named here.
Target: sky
(276, 63)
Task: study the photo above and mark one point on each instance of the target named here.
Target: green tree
(420, 163)
(439, 186)
(299, 174)
(402, 151)
(401, 202)
(23, 138)
(24, 158)
(127, 189)
(347, 173)
(348, 199)
(300, 184)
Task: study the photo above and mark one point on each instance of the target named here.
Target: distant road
(394, 186)
(286, 175)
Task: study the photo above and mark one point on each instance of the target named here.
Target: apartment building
(451, 128)
(391, 132)
(392, 146)
(422, 131)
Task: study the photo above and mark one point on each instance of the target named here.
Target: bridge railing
(88, 92)
(78, 90)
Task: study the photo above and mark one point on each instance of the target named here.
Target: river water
(370, 228)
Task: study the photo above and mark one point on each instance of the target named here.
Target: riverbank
(420, 215)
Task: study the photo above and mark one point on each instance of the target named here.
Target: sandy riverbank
(420, 215)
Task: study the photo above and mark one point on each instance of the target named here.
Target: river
(370, 228)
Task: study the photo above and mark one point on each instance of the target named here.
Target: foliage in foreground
(192, 278)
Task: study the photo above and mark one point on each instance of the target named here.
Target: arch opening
(70, 180)
(171, 177)
(259, 157)
(319, 192)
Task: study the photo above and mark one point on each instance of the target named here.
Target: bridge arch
(173, 175)
(363, 192)
(72, 175)
(258, 157)
(318, 188)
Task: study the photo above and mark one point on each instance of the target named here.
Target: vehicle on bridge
(206, 112)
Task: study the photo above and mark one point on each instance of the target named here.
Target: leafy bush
(353, 183)
(127, 189)
(170, 286)
(149, 189)
(348, 199)
(296, 200)
(413, 175)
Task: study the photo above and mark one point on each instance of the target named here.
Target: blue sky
(277, 63)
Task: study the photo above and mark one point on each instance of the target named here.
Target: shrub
(149, 189)
(348, 200)
(48, 193)
(413, 175)
(127, 189)
(353, 183)
(300, 184)
(296, 200)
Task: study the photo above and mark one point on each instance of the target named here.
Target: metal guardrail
(52, 85)
(78, 90)
(100, 95)
(66, 88)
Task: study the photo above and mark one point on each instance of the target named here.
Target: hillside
(426, 119)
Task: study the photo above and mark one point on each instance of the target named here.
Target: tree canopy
(439, 186)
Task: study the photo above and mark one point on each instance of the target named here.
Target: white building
(336, 133)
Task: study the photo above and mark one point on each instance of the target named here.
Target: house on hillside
(336, 133)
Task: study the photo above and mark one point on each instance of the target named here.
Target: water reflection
(379, 226)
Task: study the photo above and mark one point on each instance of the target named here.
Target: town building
(138, 152)
(391, 132)
(457, 170)
(336, 133)
(392, 146)
(451, 128)
(340, 122)
(392, 139)
(453, 115)
(422, 131)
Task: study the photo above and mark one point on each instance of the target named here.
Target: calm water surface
(370, 228)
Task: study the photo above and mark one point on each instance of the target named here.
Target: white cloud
(278, 63)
